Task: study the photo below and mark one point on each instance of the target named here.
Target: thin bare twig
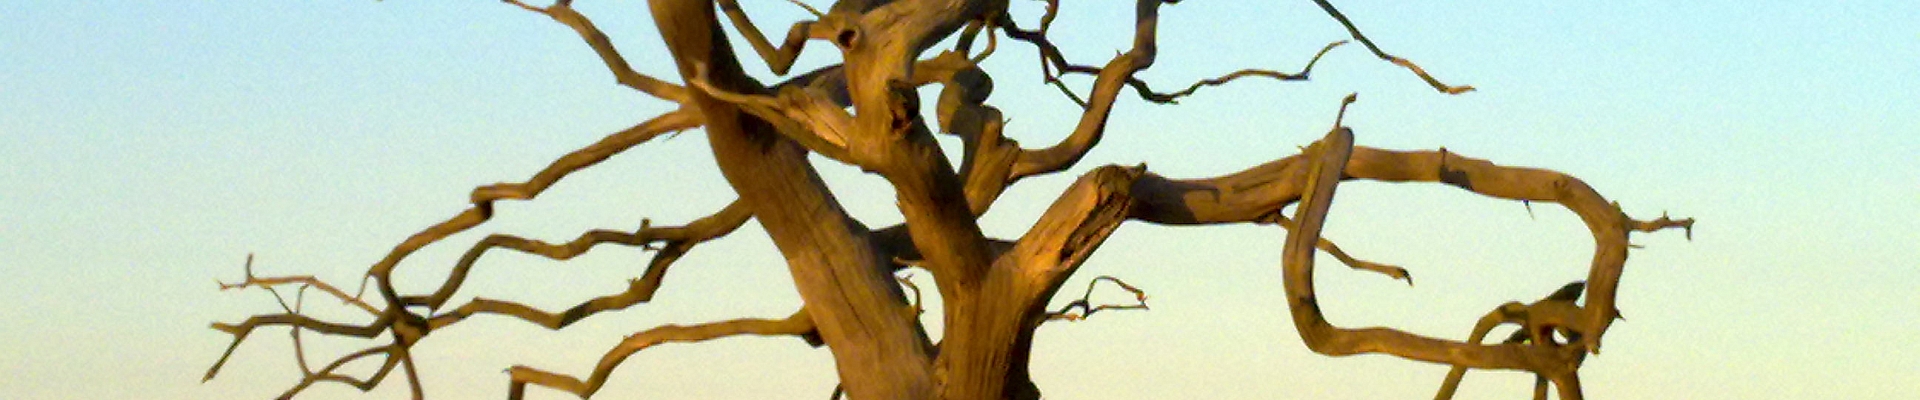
(1087, 308)
(1170, 98)
(1409, 65)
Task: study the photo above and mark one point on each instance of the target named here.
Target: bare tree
(865, 112)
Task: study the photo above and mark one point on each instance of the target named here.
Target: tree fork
(855, 304)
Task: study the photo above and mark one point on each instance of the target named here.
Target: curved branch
(779, 59)
(678, 240)
(1106, 87)
(1325, 245)
(1409, 65)
(622, 72)
(483, 197)
(1535, 320)
(1148, 94)
(406, 327)
(798, 324)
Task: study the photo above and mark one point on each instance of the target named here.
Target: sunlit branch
(1409, 65)
(798, 324)
(563, 12)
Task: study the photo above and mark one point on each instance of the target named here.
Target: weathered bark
(865, 112)
(857, 307)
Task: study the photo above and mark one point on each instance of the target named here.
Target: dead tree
(865, 112)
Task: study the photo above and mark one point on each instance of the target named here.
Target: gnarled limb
(1553, 361)
(799, 324)
(1323, 172)
(1535, 321)
(984, 351)
(853, 301)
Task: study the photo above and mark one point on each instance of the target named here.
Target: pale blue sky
(147, 146)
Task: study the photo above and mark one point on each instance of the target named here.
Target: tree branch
(1106, 88)
(1325, 245)
(562, 11)
(797, 325)
(1536, 321)
(779, 59)
(1085, 302)
(406, 327)
(806, 116)
(677, 241)
(1148, 94)
(1409, 65)
(483, 197)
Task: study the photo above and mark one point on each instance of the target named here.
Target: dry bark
(865, 112)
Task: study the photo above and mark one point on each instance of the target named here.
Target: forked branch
(1085, 303)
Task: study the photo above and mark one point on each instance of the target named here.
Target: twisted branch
(1535, 321)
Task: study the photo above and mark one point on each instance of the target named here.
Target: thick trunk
(853, 300)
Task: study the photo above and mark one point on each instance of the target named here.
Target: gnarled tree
(865, 112)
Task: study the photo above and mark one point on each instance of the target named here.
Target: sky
(148, 147)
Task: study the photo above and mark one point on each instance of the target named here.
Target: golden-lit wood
(865, 111)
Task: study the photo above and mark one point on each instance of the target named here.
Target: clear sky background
(146, 147)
